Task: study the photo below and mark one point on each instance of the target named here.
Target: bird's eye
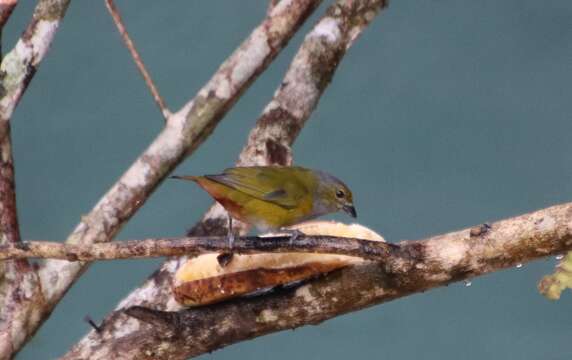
(340, 194)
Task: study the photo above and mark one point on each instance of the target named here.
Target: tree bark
(21, 294)
(193, 246)
(416, 267)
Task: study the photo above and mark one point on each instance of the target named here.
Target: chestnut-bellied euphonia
(273, 197)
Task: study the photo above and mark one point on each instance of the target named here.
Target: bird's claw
(224, 259)
(294, 234)
(230, 240)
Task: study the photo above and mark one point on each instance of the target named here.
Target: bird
(274, 197)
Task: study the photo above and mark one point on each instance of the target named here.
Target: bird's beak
(350, 210)
(180, 177)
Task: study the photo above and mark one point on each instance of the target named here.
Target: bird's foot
(294, 234)
(230, 240)
(225, 258)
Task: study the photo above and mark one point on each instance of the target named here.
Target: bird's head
(333, 195)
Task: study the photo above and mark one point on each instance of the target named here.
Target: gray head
(332, 195)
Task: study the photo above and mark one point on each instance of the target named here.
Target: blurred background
(445, 114)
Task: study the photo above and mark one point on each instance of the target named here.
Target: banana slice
(201, 280)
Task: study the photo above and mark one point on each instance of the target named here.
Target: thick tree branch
(309, 74)
(9, 229)
(184, 132)
(416, 267)
(114, 12)
(20, 290)
(193, 246)
(269, 142)
(271, 5)
(20, 64)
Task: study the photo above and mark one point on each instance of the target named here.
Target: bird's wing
(274, 185)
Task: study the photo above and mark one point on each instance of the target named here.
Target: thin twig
(114, 12)
(92, 323)
(192, 246)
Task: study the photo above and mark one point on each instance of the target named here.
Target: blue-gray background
(445, 114)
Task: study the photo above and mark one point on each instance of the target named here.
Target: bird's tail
(185, 177)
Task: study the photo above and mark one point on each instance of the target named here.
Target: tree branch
(269, 142)
(114, 12)
(20, 290)
(416, 267)
(193, 246)
(21, 63)
(6, 8)
(9, 229)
